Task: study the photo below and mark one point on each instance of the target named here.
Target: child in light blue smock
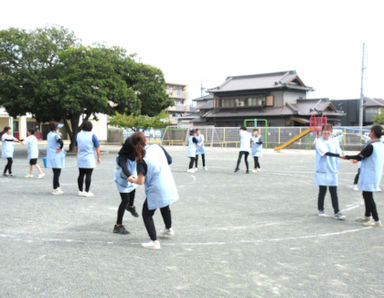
(192, 147)
(55, 155)
(125, 167)
(326, 170)
(257, 147)
(160, 187)
(7, 150)
(371, 171)
(88, 152)
(33, 153)
(200, 149)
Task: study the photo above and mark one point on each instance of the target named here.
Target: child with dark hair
(245, 148)
(257, 147)
(371, 170)
(200, 149)
(125, 167)
(192, 146)
(87, 147)
(33, 153)
(160, 187)
(8, 149)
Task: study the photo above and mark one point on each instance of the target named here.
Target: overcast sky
(207, 40)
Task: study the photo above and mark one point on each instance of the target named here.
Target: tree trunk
(72, 130)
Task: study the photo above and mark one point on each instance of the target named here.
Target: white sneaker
(205, 168)
(81, 193)
(41, 175)
(355, 187)
(29, 176)
(88, 194)
(379, 189)
(190, 171)
(168, 232)
(258, 169)
(254, 171)
(375, 224)
(151, 245)
(57, 191)
(363, 219)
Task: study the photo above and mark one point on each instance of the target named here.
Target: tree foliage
(140, 121)
(48, 73)
(379, 118)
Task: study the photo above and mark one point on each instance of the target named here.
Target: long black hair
(127, 151)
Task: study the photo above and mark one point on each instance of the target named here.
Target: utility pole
(361, 110)
(202, 89)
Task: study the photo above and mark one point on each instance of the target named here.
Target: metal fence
(272, 136)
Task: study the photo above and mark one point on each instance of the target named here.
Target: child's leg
(203, 159)
(246, 160)
(9, 164)
(257, 162)
(39, 169)
(166, 214)
(80, 179)
(239, 159)
(88, 177)
(320, 198)
(30, 169)
(357, 177)
(196, 160)
(123, 205)
(368, 197)
(191, 162)
(148, 221)
(335, 202)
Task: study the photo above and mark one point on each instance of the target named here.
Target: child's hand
(131, 179)
(354, 161)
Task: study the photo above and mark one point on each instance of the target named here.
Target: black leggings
(370, 206)
(191, 162)
(127, 199)
(356, 180)
(56, 176)
(148, 219)
(8, 166)
(241, 153)
(80, 180)
(202, 158)
(256, 160)
(320, 199)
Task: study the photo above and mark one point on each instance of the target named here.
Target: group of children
(371, 169)
(250, 143)
(196, 148)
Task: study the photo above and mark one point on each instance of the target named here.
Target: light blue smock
(33, 148)
(200, 149)
(245, 141)
(160, 187)
(86, 151)
(191, 147)
(122, 184)
(371, 169)
(7, 147)
(54, 160)
(327, 167)
(256, 148)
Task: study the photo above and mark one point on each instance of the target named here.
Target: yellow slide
(294, 139)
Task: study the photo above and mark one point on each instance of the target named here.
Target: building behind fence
(272, 137)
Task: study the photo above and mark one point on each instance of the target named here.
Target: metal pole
(361, 109)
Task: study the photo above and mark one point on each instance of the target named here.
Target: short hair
(243, 128)
(377, 130)
(52, 125)
(191, 132)
(87, 126)
(255, 129)
(32, 131)
(327, 126)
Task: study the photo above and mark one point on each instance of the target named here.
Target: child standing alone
(33, 153)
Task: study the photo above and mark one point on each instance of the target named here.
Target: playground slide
(294, 139)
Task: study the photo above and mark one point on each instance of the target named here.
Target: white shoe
(168, 232)
(355, 187)
(151, 245)
(41, 176)
(88, 194)
(190, 171)
(57, 191)
(375, 224)
(258, 169)
(363, 219)
(81, 193)
(29, 176)
(205, 168)
(379, 189)
(254, 171)
(196, 169)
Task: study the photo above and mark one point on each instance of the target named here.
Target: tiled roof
(288, 79)
(205, 97)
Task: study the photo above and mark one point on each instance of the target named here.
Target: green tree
(379, 118)
(140, 121)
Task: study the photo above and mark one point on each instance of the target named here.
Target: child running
(192, 147)
(245, 147)
(200, 149)
(257, 146)
(326, 169)
(33, 153)
(371, 170)
(55, 156)
(160, 187)
(87, 147)
(125, 167)
(7, 150)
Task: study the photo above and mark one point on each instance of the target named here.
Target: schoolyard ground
(237, 234)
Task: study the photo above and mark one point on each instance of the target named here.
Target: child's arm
(139, 180)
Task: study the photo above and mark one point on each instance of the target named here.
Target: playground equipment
(315, 124)
(255, 120)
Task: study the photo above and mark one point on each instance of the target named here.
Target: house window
(256, 101)
(240, 102)
(269, 101)
(227, 103)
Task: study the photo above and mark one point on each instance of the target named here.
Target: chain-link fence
(272, 136)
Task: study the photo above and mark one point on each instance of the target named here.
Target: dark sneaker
(247, 172)
(5, 174)
(132, 210)
(236, 170)
(120, 230)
